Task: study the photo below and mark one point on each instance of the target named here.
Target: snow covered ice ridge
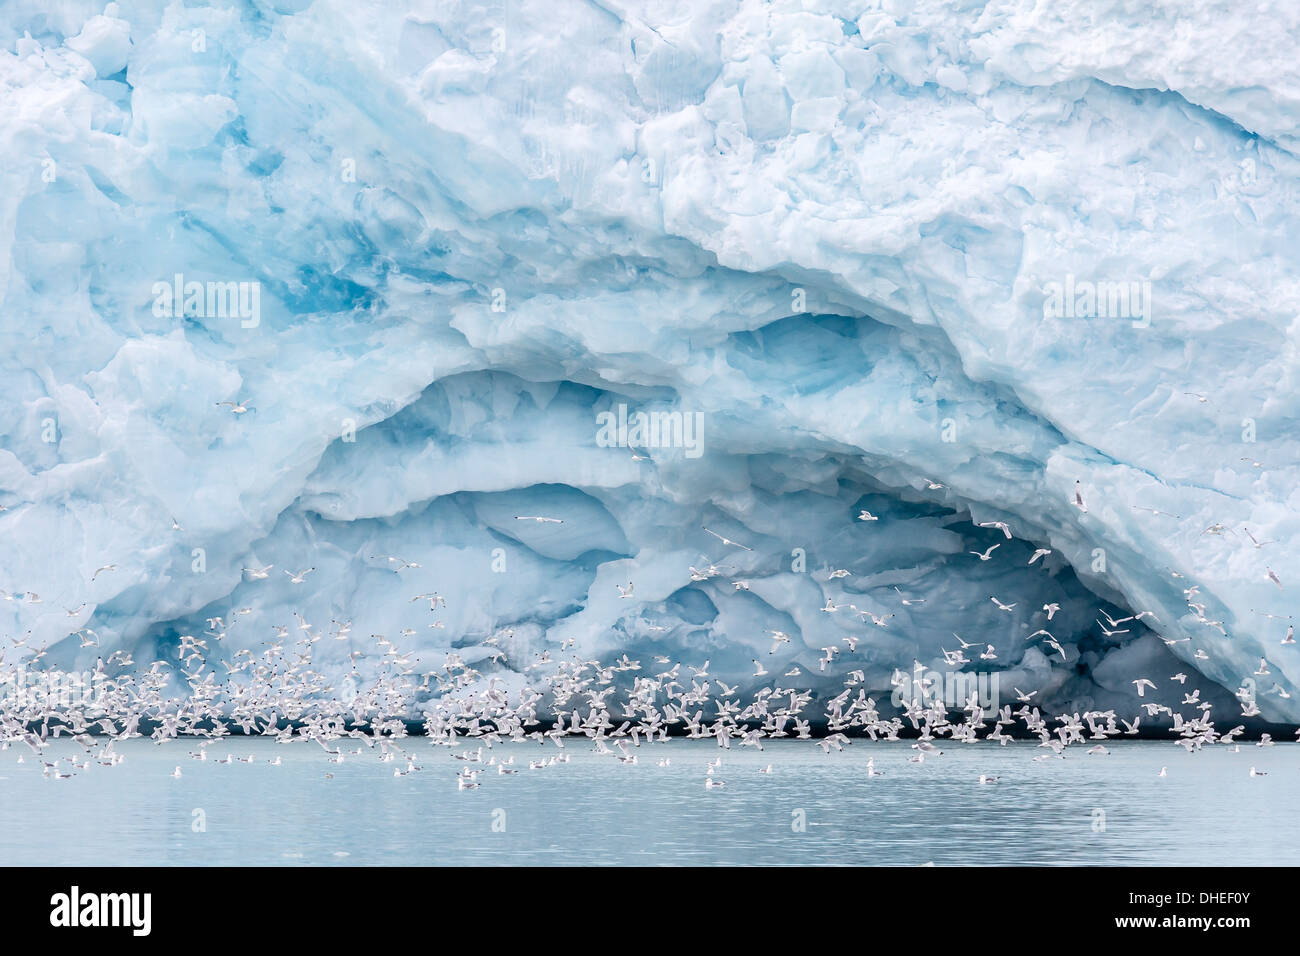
(346, 289)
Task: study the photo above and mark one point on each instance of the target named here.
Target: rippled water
(1080, 810)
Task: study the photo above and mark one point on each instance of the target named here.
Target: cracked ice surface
(826, 227)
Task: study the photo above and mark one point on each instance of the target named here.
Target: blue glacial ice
(840, 236)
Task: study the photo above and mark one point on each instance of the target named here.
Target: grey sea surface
(812, 808)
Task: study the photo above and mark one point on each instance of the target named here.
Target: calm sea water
(1084, 809)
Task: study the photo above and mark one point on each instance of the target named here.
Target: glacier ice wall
(828, 231)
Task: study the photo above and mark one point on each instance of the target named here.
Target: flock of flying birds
(205, 694)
